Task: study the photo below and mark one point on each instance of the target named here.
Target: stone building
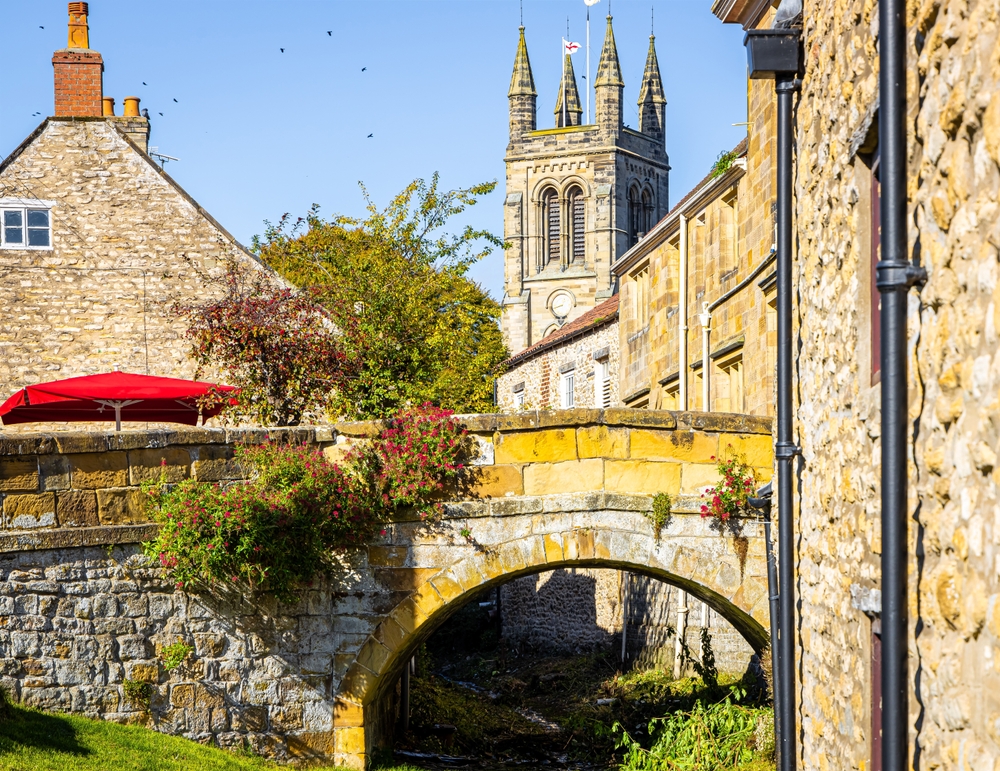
(98, 241)
(953, 183)
(697, 292)
(576, 366)
(578, 196)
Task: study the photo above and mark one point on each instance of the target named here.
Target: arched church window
(550, 220)
(578, 215)
(647, 210)
(634, 216)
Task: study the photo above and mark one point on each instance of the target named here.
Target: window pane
(38, 218)
(38, 236)
(13, 236)
(12, 219)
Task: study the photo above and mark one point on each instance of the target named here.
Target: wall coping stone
(27, 444)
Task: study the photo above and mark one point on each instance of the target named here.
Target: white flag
(570, 48)
(591, 2)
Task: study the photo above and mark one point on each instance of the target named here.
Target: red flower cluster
(729, 497)
(285, 525)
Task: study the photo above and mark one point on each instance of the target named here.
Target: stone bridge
(81, 611)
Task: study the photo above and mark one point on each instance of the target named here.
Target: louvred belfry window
(579, 214)
(551, 208)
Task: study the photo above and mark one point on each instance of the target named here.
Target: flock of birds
(145, 112)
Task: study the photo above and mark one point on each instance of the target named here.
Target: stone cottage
(98, 242)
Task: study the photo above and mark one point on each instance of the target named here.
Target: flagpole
(587, 85)
(562, 63)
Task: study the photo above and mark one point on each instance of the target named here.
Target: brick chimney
(79, 72)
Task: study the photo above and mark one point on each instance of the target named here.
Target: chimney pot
(79, 34)
(109, 106)
(131, 109)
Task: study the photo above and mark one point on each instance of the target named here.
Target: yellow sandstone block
(427, 601)
(692, 446)
(602, 442)
(347, 714)
(545, 446)
(573, 476)
(493, 481)
(584, 544)
(641, 477)
(553, 547)
(94, 470)
(695, 477)
(18, 474)
(447, 586)
(350, 741)
(758, 448)
(373, 656)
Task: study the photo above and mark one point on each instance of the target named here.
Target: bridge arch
(689, 554)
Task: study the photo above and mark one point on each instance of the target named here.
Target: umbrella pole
(118, 417)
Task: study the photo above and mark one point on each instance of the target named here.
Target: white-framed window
(519, 395)
(567, 387)
(25, 224)
(602, 384)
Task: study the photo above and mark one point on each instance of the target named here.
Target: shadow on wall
(560, 611)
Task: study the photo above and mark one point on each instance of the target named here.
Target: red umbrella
(117, 396)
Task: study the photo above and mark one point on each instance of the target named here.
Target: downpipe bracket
(892, 276)
(786, 450)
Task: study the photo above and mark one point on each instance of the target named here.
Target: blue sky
(259, 132)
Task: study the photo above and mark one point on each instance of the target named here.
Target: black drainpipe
(894, 277)
(777, 53)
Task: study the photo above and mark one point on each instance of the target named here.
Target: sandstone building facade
(578, 196)
(98, 242)
(953, 183)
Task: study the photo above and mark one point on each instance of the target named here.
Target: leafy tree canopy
(414, 327)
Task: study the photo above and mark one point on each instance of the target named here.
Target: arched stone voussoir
(697, 566)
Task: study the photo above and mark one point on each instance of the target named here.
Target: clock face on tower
(562, 305)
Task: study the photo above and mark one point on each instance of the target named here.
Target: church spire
(608, 86)
(568, 84)
(652, 112)
(521, 95)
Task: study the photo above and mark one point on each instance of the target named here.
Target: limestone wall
(953, 127)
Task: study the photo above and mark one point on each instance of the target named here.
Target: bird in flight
(144, 83)
(176, 100)
(329, 32)
(40, 27)
(161, 114)
(363, 69)
(282, 50)
(370, 136)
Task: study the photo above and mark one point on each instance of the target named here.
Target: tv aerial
(161, 157)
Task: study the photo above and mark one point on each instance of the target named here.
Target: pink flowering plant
(729, 497)
(298, 509)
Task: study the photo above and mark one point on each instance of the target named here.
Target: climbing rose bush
(729, 497)
(277, 532)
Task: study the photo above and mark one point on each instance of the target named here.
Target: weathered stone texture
(954, 222)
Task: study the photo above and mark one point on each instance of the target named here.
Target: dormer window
(25, 227)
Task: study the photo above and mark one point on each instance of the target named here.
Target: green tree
(415, 327)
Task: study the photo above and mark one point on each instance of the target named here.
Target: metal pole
(706, 335)
(763, 503)
(785, 450)
(894, 276)
(587, 88)
(682, 318)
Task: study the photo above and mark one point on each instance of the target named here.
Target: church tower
(578, 196)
